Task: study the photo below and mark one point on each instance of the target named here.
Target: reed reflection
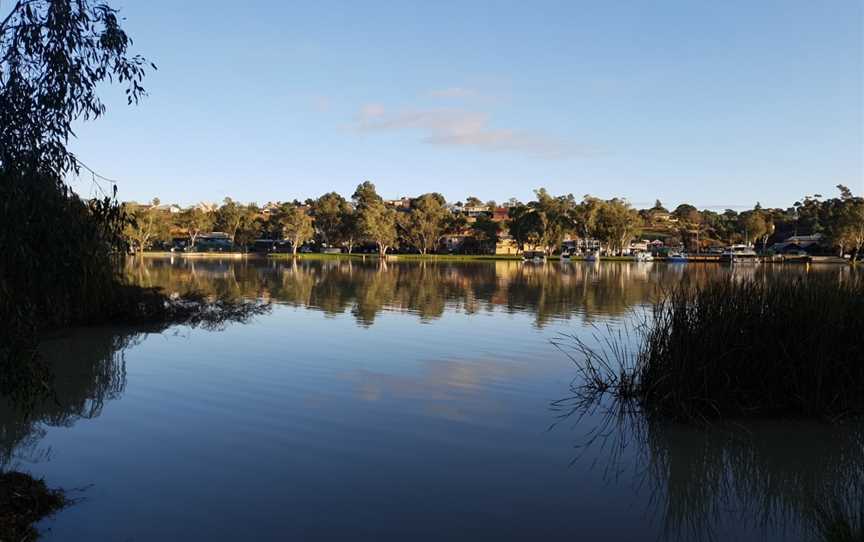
(783, 480)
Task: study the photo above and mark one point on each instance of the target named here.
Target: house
(797, 243)
(170, 208)
(506, 245)
(269, 208)
(658, 216)
(401, 204)
(476, 211)
(216, 241)
(207, 207)
(453, 242)
(639, 246)
(500, 214)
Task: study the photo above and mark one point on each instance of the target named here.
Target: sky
(720, 104)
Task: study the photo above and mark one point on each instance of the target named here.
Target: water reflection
(410, 426)
(364, 289)
(784, 480)
(89, 369)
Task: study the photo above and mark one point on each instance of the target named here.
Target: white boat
(677, 257)
(534, 256)
(644, 257)
(739, 254)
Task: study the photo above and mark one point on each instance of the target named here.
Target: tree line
(422, 223)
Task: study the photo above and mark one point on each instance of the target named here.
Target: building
(216, 241)
(500, 214)
(401, 204)
(798, 243)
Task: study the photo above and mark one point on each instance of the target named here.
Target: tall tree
(585, 217)
(617, 224)
(376, 222)
(349, 227)
(486, 231)
(522, 225)
(424, 224)
(229, 216)
(249, 227)
(146, 224)
(296, 225)
(328, 212)
(554, 218)
(848, 230)
(754, 225)
(195, 222)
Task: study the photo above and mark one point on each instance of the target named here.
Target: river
(404, 401)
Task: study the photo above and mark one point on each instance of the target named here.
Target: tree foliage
(196, 221)
(296, 225)
(425, 222)
(145, 225)
(375, 221)
(54, 55)
(329, 212)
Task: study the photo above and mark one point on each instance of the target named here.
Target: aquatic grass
(764, 346)
(770, 345)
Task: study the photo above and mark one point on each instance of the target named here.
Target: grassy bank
(772, 346)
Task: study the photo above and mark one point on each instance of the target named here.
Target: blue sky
(717, 103)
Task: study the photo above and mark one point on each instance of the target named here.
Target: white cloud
(456, 127)
(453, 92)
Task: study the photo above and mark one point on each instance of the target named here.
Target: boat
(593, 256)
(644, 257)
(534, 256)
(565, 255)
(677, 257)
(739, 254)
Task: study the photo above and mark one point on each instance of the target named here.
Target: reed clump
(766, 346)
(773, 345)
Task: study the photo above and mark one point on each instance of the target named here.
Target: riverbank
(821, 260)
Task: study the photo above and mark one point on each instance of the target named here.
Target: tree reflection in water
(553, 291)
(88, 370)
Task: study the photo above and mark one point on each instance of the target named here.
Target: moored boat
(739, 254)
(534, 256)
(677, 257)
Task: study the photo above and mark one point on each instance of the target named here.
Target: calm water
(404, 401)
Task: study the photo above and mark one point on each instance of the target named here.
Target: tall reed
(771, 345)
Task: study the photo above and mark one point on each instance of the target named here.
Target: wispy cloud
(453, 92)
(461, 128)
(321, 103)
(370, 112)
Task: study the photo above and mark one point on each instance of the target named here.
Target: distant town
(549, 224)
